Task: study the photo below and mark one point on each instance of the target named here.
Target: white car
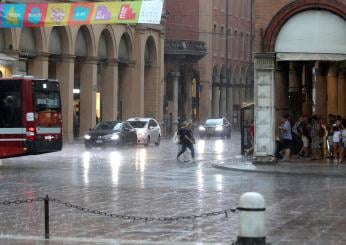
(148, 130)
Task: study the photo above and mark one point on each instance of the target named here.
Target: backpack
(176, 139)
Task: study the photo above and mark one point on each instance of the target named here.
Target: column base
(251, 241)
(264, 160)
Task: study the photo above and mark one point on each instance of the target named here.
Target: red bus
(30, 116)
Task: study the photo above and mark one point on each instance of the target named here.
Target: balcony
(184, 50)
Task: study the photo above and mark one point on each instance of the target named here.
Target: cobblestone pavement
(149, 181)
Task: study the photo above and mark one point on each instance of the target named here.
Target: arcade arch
(311, 46)
(223, 92)
(301, 72)
(30, 44)
(215, 93)
(150, 78)
(126, 86)
(107, 86)
(85, 76)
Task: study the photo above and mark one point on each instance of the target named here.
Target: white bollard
(252, 224)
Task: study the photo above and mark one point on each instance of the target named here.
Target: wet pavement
(149, 181)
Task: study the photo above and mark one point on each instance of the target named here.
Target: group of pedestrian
(311, 138)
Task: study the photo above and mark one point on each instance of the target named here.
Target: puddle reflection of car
(148, 130)
(219, 127)
(111, 133)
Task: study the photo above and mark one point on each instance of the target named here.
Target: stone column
(235, 115)
(188, 93)
(65, 76)
(176, 76)
(88, 87)
(307, 89)
(229, 102)
(332, 90)
(342, 93)
(319, 95)
(216, 100)
(223, 99)
(281, 91)
(38, 67)
(264, 65)
(294, 90)
(109, 91)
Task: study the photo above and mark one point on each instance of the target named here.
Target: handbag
(176, 139)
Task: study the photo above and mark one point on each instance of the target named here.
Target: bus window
(47, 100)
(10, 104)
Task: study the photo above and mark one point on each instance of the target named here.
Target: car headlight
(201, 128)
(115, 137)
(219, 128)
(141, 132)
(87, 137)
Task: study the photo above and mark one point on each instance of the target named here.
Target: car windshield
(213, 122)
(138, 124)
(108, 126)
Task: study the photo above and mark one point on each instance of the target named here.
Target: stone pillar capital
(175, 73)
(42, 56)
(68, 58)
(113, 62)
(92, 60)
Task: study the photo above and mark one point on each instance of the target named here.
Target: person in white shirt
(337, 143)
(343, 134)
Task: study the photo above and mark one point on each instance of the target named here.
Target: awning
(7, 60)
(309, 56)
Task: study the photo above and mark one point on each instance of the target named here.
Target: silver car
(148, 130)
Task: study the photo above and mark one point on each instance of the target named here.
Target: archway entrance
(85, 71)
(28, 51)
(311, 62)
(305, 75)
(124, 78)
(215, 94)
(150, 78)
(6, 62)
(106, 94)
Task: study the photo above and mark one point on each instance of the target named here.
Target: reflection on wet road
(149, 181)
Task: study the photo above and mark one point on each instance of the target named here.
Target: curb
(280, 172)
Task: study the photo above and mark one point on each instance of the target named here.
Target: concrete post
(252, 221)
(264, 108)
(176, 76)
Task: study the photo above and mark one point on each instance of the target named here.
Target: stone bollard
(252, 225)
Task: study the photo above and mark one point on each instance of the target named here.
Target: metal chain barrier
(143, 218)
(133, 218)
(17, 202)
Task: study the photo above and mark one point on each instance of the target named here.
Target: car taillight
(30, 133)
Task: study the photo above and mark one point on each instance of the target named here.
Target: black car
(110, 133)
(219, 127)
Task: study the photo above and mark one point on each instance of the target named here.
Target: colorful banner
(62, 14)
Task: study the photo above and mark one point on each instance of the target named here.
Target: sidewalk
(325, 168)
